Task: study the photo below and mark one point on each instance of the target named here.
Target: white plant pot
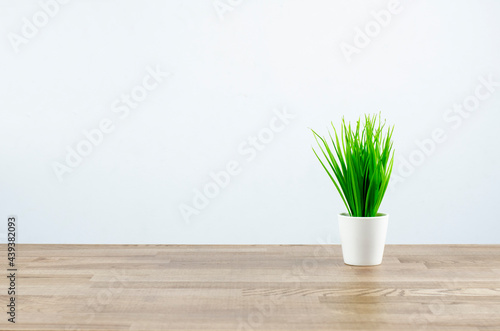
(363, 239)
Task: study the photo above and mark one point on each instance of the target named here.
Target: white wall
(229, 72)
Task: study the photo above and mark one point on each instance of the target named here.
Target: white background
(227, 77)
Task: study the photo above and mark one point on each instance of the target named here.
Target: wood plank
(252, 287)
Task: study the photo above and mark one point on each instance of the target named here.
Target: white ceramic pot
(363, 238)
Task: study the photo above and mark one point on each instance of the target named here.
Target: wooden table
(276, 287)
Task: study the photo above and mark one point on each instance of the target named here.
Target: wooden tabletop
(276, 287)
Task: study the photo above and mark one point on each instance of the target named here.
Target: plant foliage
(359, 163)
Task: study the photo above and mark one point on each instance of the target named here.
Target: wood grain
(277, 287)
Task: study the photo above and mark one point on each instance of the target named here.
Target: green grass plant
(359, 162)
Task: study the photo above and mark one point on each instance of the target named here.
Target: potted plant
(359, 163)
